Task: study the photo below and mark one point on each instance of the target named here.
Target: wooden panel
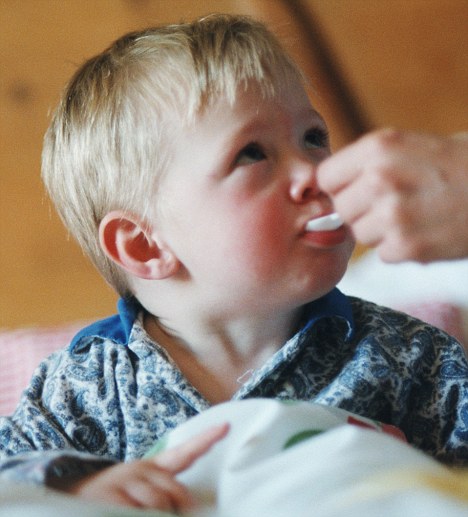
(406, 61)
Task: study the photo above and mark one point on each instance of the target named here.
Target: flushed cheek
(219, 249)
(262, 245)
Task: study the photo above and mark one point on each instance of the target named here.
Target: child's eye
(250, 154)
(316, 138)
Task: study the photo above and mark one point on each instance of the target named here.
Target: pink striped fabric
(443, 315)
(21, 351)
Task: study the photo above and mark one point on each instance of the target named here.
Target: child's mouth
(326, 223)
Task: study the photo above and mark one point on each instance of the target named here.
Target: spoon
(325, 223)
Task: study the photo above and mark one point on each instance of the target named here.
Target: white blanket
(284, 460)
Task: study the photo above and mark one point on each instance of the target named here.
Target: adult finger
(383, 150)
(339, 170)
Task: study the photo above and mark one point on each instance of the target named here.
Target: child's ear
(127, 241)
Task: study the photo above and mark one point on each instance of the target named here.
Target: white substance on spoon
(325, 223)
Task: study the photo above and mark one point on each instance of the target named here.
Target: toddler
(183, 159)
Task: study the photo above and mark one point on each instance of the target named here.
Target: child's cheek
(264, 240)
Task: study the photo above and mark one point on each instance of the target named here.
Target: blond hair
(107, 143)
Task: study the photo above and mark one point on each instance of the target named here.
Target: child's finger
(158, 489)
(140, 484)
(183, 456)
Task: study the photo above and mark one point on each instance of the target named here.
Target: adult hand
(404, 193)
(149, 483)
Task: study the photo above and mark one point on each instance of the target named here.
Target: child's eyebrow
(313, 114)
(256, 122)
(249, 126)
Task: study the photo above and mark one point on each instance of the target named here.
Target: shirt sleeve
(35, 444)
(437, 413)
(423, 373)
(402, 371)
(50, 468)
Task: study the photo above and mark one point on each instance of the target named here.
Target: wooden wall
(373, 62)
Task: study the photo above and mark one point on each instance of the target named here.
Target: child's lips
(327, 238)
(326, 231)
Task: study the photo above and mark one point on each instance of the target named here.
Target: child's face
(238, 193)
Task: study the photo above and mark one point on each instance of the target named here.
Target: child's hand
(150, 483)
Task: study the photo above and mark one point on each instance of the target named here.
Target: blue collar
(117, 328)
(333, 304)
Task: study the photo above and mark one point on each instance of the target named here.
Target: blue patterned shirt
(113, 392)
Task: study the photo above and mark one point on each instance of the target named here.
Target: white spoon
(325, 223)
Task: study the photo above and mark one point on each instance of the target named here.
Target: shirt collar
(333, 304)
(118, 328)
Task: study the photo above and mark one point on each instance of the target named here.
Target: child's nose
(304, 186)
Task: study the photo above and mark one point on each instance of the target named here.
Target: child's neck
(216, 359)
